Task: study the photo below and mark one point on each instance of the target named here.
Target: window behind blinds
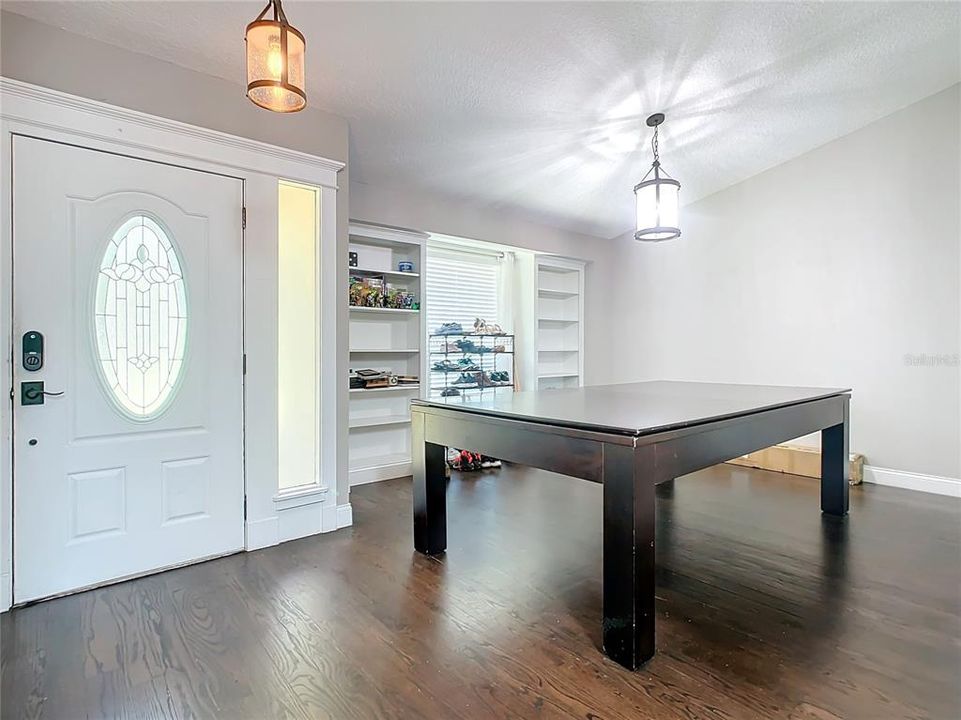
(461, 286)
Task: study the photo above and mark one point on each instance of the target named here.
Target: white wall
(832, 269)
(50, 57)
(405, 207)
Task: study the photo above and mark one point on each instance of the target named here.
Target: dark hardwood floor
(766, 609)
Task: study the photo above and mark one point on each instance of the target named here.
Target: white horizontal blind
(461, 286)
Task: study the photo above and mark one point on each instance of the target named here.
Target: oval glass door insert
(140, 318)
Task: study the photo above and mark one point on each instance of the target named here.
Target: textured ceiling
(539, 107)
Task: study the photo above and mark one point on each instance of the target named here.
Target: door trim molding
(60, 117)
(44, 109)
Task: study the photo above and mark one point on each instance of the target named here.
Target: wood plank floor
(766, 609)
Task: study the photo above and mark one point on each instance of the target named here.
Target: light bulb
(275, 59)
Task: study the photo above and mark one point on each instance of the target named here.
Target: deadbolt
(32, 346)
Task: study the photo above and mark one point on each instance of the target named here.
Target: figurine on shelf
(400, 299)
(366, 291)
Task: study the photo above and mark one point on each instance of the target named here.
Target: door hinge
(245, 507)
(245, 365)
(243, 218)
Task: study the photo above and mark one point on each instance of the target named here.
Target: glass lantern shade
(275, 66)
(657, 208)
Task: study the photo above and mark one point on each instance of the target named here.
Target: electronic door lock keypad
(32, 347)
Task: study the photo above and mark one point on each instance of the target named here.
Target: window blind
(461, 286)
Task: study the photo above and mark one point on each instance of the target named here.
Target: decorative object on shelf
(376, 292)
(366, 291)
(405, 266)
(369, 379)
(351, 259)
(400, 299)
(657, 197)
(276, 62)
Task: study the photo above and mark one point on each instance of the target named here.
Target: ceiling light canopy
(657, 198)
(275, 62)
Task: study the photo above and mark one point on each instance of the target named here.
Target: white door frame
(272, 517)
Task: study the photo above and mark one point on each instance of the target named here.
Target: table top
(637, 408)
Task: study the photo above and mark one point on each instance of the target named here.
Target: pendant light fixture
(657, 198)
(275, 62)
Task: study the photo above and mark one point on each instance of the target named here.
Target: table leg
(430, 491)
(834, 466)
(628, 479)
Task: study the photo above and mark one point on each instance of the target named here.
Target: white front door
(131, 271)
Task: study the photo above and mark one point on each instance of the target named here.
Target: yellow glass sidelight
(298, 336)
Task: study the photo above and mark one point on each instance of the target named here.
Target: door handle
(32, 393)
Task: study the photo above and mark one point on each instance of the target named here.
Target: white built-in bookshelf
(560, 322)
(385, 339)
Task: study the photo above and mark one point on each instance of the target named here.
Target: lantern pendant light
(275, 62)
(657, 198)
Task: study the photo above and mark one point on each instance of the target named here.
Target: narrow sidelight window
(298, 335)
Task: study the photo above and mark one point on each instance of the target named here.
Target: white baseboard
(345, 516)
(380, 472)
(329, 518)
(6, 592)
(262, 533)
(295, 522)
(913, 481)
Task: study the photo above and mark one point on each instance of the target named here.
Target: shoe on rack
(450, 329)
(467, 379)
(450, 392)
(467, 365)
(467, 346)
(484, 380)
(482, 327)
(445, 366)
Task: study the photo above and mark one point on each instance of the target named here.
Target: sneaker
(467, 346)
(467, 365)
(450, 392)
(466, 379)
(450, 329)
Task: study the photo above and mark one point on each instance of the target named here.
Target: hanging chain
(654, 145)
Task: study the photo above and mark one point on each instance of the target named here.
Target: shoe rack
(470, 366)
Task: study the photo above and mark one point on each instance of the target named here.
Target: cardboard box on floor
(797, 460)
